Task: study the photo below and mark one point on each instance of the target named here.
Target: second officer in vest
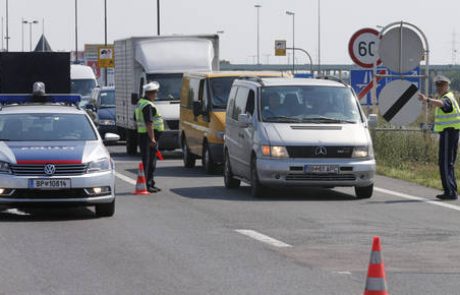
(149, 127)
(447, 124)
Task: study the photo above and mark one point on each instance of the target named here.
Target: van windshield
(220, 89)
(107, 98)
(170, 85)
(309, 104)
(83, 87)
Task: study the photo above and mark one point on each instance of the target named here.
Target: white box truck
(165, 59)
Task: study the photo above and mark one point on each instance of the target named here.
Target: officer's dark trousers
(448, 143)
(149, 158)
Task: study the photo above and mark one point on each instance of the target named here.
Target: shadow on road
(175, 171)
(35, 214)
(244, 194)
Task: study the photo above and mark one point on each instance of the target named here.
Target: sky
(439, 21)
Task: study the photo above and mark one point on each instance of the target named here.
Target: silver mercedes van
(283, 132)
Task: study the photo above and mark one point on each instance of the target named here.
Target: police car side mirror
(197, 108)
(372, 120)
(134, 98)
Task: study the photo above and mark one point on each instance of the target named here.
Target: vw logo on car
(50, 169)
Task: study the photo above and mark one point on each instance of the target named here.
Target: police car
(51, 153)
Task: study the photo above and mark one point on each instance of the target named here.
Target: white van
(297, 132)
(83, 81)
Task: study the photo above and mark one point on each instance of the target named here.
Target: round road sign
(398, 102)
(363, 47)
(410, 50)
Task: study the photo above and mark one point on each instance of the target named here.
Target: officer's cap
(151, 86)
(441, 78)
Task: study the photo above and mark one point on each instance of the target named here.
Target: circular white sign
(401, 43)
(398, 102)
(363, 47)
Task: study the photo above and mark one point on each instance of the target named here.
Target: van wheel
(257, 189)
(187, 157)
(105, 210)
(364, 192)
(206, 160)
(229, 181)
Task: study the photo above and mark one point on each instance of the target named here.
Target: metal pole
(257, 6)
(1, 49)
(293, 43)
(76, 32)
(319, 37)
(30, 36)
(22, 34)
(7, 35)
(105, 37)
(43, 35)
(158, 17)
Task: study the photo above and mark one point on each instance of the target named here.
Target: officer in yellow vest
(447, 124)
(149, 128)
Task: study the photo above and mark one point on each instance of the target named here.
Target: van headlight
(107, 122)
(275, 151)
(5, 168)
(362, 152)
(99, 165)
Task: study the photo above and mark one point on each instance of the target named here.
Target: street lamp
(7, 35)
(30, 23)
(319, 37)
(158, 17)
(257, 6)
(105, 37)
(293, 38)
(76, 31)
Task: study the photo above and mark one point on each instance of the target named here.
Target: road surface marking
(125, 178)
(262, 238)
(414, 198)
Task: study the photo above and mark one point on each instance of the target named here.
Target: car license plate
(51, 183)
(321, 169)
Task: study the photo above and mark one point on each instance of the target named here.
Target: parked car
(297, 133)
(203, 101)
(102, 103)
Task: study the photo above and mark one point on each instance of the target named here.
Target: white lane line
(414, 198)
(262, 238)
(125, 178)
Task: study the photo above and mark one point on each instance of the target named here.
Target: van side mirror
(244, 120)
(134, 98)
(197, 108)
(372, 120)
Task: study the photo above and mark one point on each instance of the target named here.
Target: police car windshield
(311, 104)
(170, 85)
(46, 127)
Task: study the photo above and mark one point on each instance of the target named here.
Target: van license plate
(50, 184)
(321, 169)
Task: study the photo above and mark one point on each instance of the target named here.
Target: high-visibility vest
(447, 120)
(157, 123)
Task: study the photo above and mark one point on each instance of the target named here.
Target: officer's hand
(422, 97)
(153, 142)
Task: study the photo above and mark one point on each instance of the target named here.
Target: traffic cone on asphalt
(376, 282)
(141, 186)
(159, 155)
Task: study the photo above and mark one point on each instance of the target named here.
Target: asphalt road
(196, 237)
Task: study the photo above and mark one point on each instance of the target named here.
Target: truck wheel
(257, 189)
(105, 210)
(206, 159)
(187, 157)
(131, 142)
(229, 181)
(364, 192)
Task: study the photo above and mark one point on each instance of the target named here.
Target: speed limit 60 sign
(363, 47)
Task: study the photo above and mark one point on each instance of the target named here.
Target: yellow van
(203, 102)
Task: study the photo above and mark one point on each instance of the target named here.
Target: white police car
(51, 153)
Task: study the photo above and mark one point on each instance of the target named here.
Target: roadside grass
(410, 155)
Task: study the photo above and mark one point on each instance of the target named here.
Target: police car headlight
(99, 165)
(5, 168)
(107, 122)
(361, 152)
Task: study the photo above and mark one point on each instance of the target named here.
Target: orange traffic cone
(141, 186)
(159, 155)
(376, 283)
